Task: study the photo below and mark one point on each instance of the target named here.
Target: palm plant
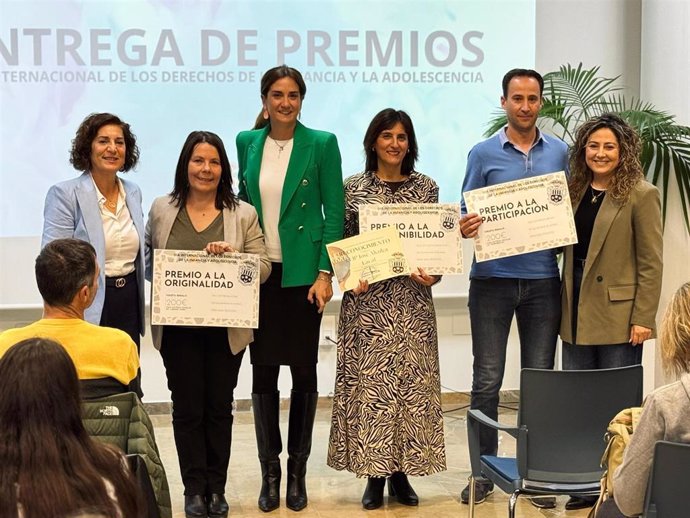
(573, 95)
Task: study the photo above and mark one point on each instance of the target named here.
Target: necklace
(597, 196)
(280, 144)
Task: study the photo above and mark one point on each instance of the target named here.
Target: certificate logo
(246, 273)
(556, 193)
(449, 220)
(397, 264)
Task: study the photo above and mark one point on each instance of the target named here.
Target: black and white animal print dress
(387, 402)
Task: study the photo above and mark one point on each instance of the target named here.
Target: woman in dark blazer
(292, 175)
(612, 276)
(105, 210)
(202, 363)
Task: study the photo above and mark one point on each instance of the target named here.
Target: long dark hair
(271, 76)
(80, 154)
(385, 120)
(48, 463)
(225, 197)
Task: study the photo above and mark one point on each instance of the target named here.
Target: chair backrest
(566, 414)
(668, 491)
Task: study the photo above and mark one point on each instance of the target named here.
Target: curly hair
(50, 465)
(80, 154)
(674, 332)
(629, 170)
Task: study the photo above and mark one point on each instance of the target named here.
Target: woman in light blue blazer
(101, 208)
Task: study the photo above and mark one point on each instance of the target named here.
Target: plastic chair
(561, 424)
(668, 490)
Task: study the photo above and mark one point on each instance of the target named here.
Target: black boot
(399, 487)
(373, 494)
(302, 411)
(266, 424)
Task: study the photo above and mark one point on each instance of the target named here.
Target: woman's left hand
(423, 278)
(639, 334)
(321, 291)
(218, 248)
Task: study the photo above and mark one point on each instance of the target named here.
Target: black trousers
(121, 311)
(202, 375)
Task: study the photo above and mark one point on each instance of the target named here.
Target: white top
(274, 164)
(121, 237)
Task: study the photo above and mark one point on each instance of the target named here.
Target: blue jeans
(583, 357)
(604, 356)
(536, 303)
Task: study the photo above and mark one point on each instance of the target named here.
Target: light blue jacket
(71, 211)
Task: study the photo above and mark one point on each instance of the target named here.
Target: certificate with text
(373, 256)
(522, 216)
(193, 288)
(429, 232)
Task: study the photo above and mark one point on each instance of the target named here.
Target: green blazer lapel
(602, 224)
(255, 153)
(300, 159)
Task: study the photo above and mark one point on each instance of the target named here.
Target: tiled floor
(334, 494)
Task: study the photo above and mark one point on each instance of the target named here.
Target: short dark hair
(522, 72)
(271, 76)
(63, 267)
(385, 120)
(80, 154)
(225, 197)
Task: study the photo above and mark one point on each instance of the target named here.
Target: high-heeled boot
(301, 425)
(266, 423)
(400, 488)
(373, 494)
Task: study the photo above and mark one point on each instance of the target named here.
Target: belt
(120, 282)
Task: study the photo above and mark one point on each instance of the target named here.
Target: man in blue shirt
(526, 285)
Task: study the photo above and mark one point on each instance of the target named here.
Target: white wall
(665, 81)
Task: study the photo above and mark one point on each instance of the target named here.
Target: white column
(665, 81)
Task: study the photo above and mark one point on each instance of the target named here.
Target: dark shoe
(269, 444)
(300, 426)
(373, 494)
(217, 506)
(195, 506)
(399, 487)
(580, 502)
(482, 489)
(543, 502)
(269, 498)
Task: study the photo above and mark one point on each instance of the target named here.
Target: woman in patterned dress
(387, 420)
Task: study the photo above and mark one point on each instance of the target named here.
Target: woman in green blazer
(292, 175)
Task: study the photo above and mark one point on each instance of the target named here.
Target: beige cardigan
(240, 229)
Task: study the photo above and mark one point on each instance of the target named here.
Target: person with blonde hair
(666, 413)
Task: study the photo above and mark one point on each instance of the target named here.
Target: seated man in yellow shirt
(67, 276)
